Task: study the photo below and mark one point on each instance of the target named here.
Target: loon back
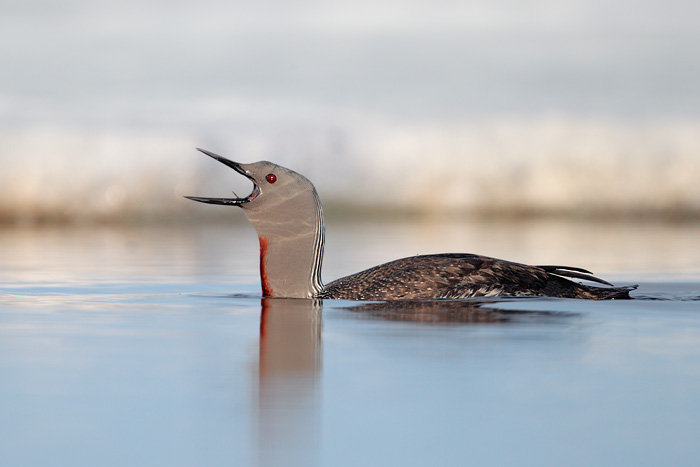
(286, 212)
(461, 275)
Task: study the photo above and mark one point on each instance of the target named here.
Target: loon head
(274, 186)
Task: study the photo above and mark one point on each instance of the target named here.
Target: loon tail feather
(577, 273)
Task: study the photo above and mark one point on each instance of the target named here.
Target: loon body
(286, 212)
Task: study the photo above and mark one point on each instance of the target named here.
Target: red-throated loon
(286, 212)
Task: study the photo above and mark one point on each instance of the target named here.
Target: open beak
(228, 201)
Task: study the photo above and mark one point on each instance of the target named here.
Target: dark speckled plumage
(456, 275)
(286, 212)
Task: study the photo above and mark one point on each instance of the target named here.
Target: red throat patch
(266, 289)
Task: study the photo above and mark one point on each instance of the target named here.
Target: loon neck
(291, 251)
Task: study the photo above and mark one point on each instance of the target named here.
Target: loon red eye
(271, 178)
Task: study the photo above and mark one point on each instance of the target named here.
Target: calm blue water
(152, 347)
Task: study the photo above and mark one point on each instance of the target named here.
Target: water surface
(153, 347)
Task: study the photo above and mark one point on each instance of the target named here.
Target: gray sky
(437, 58)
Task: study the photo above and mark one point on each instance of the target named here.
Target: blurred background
(538, 131)
(500, 107)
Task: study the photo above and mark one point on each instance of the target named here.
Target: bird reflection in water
(461, 311)
(289, 364)
(289, 368)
